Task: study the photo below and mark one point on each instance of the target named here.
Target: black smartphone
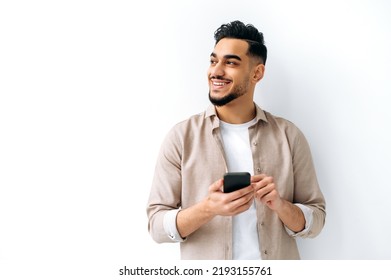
(236, 180)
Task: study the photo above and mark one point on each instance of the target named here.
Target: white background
(88, 90)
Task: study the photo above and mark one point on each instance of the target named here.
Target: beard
(234, 94)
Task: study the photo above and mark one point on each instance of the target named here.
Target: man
(283, 201)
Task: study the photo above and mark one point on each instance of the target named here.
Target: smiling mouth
(220, 83)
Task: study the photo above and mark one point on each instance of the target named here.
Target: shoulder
(275, 124)
(285, 132)
(284, 128)
(281, 123)
(191, 122)
(188, 127)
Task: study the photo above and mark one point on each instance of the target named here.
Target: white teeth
(219, 84)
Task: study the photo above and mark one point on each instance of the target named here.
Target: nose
(216, 70)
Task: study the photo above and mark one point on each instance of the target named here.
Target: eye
(213, 62)
(231, 62)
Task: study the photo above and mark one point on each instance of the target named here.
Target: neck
(236, 113)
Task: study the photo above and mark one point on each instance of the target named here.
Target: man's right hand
(216, 203)
(228, 204)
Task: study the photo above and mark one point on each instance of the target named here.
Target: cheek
(208, 72)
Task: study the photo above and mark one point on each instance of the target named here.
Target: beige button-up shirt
(192, 158)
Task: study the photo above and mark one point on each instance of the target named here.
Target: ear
(259, 71)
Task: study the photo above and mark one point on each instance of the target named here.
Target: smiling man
(187, 203)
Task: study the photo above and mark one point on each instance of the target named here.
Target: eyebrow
(228, 56)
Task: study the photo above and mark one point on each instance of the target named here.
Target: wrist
(281, 206)
(206, 209)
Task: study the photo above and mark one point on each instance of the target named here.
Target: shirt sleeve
(165, 194)
(308, 216)
(169, 224)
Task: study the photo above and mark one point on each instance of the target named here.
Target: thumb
(216, 186)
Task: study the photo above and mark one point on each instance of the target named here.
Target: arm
(266, 191)
(302, 212)
(291, 216)
(165, 197)
(216, 203)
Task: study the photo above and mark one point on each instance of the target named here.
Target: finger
(269, 198)
(245, 197)
(241, 204)
(257, 178)
(264, 182)
(216, 186)
(268, 179)
(241, 192)
(243, 207)
(259, 185)
(260, 193)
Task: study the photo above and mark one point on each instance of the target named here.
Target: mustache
(220, 78)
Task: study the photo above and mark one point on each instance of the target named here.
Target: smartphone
(236, 180)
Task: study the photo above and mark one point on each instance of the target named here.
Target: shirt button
(258, 169)
(265, 252)
(255, 143)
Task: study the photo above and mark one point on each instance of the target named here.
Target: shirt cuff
(308, 220)
(169, 224)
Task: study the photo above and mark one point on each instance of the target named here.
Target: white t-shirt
(238, 154)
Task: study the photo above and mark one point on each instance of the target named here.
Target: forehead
(228, 46)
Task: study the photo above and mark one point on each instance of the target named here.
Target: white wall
(90, 88)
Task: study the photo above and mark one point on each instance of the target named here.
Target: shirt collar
(211, 112)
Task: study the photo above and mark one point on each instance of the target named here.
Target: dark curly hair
(238, 30)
